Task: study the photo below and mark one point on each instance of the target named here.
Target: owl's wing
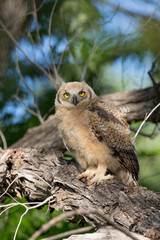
(108, 125)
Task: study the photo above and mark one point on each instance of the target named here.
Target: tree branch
(37, 174)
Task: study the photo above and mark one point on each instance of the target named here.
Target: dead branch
(133, 208)
(36, 113)
(105, 233)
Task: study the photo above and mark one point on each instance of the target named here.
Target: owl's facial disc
(74, 95)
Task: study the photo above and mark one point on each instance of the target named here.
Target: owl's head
(74, 94)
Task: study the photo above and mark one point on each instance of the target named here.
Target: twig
(29, 109)
(92, 52)
(88, 61)
(22, 204)
(62, 55)
(145, 119)
(132, 13)
(3, 140)
(144, 70)
(38, 36)
(71, 232)
(35, 64)
(15, 234)
(151, 135)
(68, 44)
(49, 35)
(27, 209)
(38, 114)
(152, 69)
(18, 46)
(49, 111)
(155, 85)
(45, 227)
(136, 14)
(9, 187)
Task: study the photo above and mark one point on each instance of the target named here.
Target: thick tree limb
(107, 233)
(46, 135)
(37, 174)
(139, 103)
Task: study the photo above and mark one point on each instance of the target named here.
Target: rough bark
(107, 233)
(16, 16)
(37, 174)
(139, 102)
(45, 135)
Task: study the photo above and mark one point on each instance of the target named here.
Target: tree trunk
(37, 174)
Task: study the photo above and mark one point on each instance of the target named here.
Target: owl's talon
(89, 183)
(92, 182)
(80, 176)
(89, 173)
(98, 179)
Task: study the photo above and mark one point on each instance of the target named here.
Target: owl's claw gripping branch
(89, 173)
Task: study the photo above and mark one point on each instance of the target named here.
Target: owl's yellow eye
(66, 95)
(81, 93)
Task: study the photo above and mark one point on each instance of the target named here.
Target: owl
(97, 133)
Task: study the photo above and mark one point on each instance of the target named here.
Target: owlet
(97, 133)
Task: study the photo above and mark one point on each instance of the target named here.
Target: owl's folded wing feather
(109, 126)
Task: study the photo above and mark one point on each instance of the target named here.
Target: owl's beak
(74, 99)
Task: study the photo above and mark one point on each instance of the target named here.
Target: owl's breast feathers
(109, 126)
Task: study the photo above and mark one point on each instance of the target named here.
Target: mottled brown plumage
(97, 133)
